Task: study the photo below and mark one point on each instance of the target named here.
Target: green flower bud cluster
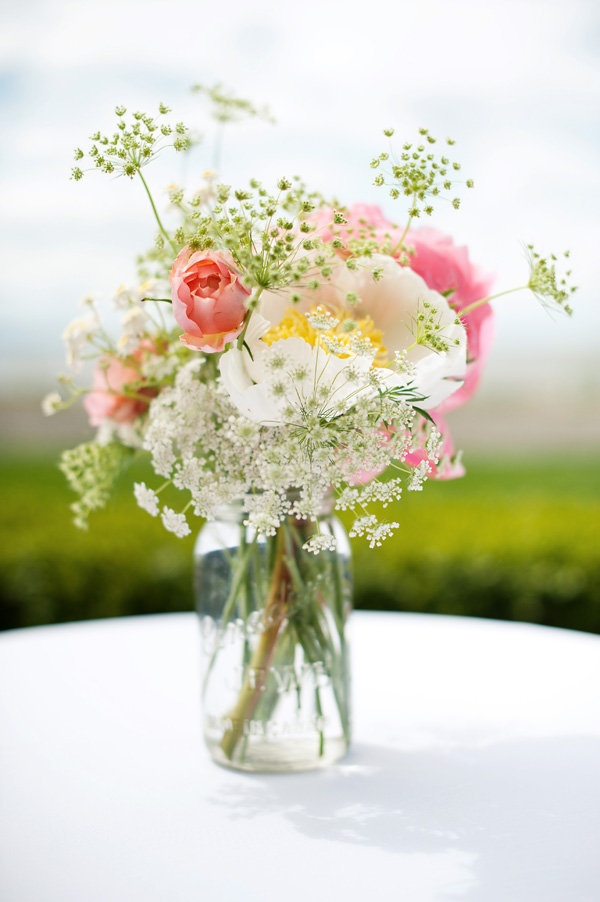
(269, 235)
(133, 145)
(418, 174)
(226, 107)
(91, 470)
(545, 283)
(429, 331)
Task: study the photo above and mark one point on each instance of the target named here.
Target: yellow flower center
(340, 338)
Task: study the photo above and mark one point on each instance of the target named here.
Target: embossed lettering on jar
(273, 622)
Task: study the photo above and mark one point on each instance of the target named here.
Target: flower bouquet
(284, 357)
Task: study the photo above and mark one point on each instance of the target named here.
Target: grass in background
(513, 540)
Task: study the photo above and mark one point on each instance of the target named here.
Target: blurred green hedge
(515, 541)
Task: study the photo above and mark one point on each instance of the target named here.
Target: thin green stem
(490, 297)
(319, 710)
(239, 575)
(242, 337)
(275, 612)
(218, 145)
(400, 244)
(161, 227)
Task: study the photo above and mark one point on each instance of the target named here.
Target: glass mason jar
(275, 653)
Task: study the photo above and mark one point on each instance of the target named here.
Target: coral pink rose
(116, 391)
(445, 267)
(209, 300)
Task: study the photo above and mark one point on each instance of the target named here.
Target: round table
(474, 773)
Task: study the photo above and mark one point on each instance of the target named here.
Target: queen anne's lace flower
(175, 523)
(320, 542)
(76, 337)
(51, 403)
(146, 498)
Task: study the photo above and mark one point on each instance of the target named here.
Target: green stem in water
(273, 618)
(293, 614)
(236, 588)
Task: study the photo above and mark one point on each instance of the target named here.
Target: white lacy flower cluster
(137, 318)
(201, 443)
(144, 352)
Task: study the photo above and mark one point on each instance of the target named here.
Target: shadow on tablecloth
(522, 812)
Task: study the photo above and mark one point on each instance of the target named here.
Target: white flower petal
(393, 303)
(260, 379)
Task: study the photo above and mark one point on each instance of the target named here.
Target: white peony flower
(394, 302)
(290, 379)
(298, 376)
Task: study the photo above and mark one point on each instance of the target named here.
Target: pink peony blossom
(209, 301)
(449, 465)
(441, 264)
(363, 221)
(446, 267)
(116, 392)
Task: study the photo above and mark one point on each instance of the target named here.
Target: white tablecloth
(474, 774)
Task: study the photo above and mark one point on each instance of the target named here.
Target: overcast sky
(516, 82)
